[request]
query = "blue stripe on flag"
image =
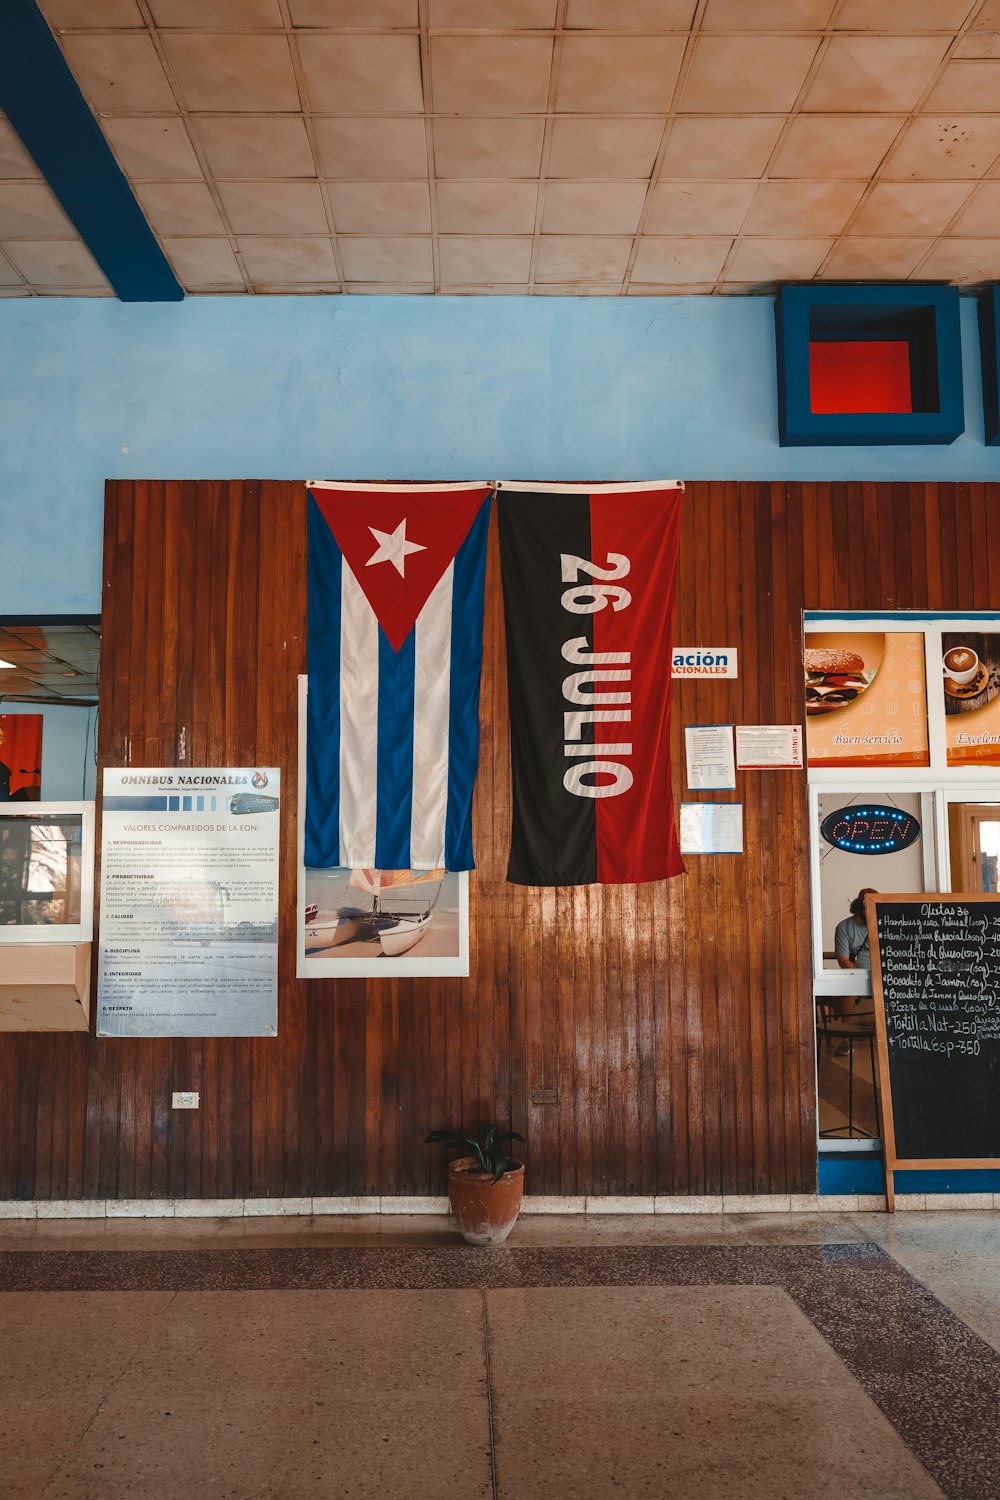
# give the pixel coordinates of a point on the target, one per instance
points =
(322, 839)
(394, 797)
(466, 668)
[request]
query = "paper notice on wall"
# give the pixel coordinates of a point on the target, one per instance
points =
(189, 903)
(711, 827)
(711, 763)
(768, 747)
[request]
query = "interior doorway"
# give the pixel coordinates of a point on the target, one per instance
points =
(974, 846)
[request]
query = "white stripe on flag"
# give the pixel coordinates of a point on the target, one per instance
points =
(358, 723)
(431, 709)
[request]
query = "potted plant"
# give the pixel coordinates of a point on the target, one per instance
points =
(484, 1189)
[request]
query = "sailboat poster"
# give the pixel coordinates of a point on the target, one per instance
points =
(360, 922)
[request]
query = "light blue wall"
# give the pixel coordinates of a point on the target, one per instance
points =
(69, 773)
(389, 387)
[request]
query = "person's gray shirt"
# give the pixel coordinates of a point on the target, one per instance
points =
(851, 941)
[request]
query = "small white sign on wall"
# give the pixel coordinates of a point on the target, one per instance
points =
(704, 661)
(711, 827)
(711, 764)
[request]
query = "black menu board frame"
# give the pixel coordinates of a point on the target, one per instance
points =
(892, 1087)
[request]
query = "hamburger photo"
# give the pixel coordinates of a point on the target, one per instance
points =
(834, 678)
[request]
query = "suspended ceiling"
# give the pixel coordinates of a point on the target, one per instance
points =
(49, 663)
(541, 146)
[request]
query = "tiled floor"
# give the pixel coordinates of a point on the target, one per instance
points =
(785, 1356)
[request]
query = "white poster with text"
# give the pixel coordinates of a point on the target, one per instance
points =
(189, 903)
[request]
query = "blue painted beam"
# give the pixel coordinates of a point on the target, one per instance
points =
(41, 99)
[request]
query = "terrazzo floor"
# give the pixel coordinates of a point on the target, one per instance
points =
(784, 1356)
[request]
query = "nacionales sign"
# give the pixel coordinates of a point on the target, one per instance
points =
(870, 830)
(703, 661)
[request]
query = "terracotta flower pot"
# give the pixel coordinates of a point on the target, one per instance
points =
(486, 1211)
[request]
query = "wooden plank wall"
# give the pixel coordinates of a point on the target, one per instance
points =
(652, 1038)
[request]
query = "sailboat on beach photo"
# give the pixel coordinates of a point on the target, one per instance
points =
(391, 914)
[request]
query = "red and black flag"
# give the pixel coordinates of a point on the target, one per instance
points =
(588, 579)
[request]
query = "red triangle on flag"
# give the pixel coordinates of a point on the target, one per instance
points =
(398, 543)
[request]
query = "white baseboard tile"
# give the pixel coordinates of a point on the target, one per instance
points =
(871, 1203)
(832, 1203)
(958, 1201)
(539, 1203)
(267, 1208)
(623, 1205)
(394, 1205)
(72, 1208)
(140, 1208)
(910, 1202)
(17, 1208)
(688, 1205)
(756, 1203)
(343, 1207)
(208, 1208)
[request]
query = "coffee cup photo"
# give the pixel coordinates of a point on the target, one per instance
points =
(961, 664)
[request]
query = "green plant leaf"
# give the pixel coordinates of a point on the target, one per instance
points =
(513, 1135)
(442, 1135)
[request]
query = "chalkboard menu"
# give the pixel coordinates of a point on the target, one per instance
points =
(936, 981)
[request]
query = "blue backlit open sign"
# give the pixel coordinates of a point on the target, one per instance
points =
(870, 830)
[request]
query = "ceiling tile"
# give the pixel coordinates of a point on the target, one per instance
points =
(953, 146)
(965, 86)
(902, 15)
(777, 259)
(8, 277)
(373, 15)
(255, 145)
(366, 147)
(120, 72)
(490, 75)
(381, 207)
(397, 259)
(724, 146)
(289, 262)
(180, 208)
(630, 15)
(592, 207)
(868, 74)
(900, 209)
(15, 160)
(988, 17)
(471, 259)
(31, 210)
(747, 74)
(830, 146)
(699, 207)
(680, 261)
(486, 207)
(581, 257)
(618, 74)
(485, 147)
(660, 289)
(55, 263)
(978, 44)
(767, 15)
(347, 74)
(242, 73)
(980, 219)
(859, 258)
(205, 264)
(152, 149)
(92, 14)
(292, 208)
(804, 208)
(516, 14)
(962, 260)
(583, 148)
(219, 14)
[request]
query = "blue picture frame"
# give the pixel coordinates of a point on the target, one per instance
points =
(927, 317)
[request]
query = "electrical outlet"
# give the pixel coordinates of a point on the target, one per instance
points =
(184, 1099)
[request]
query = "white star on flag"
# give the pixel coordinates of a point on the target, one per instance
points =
(393, 547)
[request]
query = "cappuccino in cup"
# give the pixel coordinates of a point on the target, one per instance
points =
(961, 664)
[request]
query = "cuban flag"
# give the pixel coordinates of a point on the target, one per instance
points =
(396, 585)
